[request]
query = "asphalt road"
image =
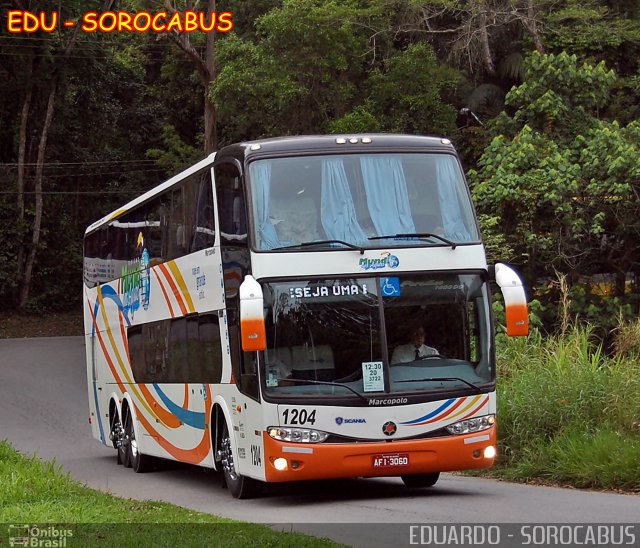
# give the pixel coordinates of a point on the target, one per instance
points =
(43, 410)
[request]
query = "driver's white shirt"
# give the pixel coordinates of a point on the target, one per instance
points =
(407, 353)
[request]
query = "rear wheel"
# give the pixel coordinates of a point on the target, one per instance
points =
(139, 462)
(239, 486)
(421, 480)
(118, 438)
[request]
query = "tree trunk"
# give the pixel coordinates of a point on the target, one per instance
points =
(484, 39)
(37, 221)
(210, 118)
(206, 70)
(532, 25)
(22, 151)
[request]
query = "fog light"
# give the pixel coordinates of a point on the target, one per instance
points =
(489, 452)
(280, 464)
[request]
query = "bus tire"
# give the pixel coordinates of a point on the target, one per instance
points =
(126, 445)
(239, 486)
(118, 438)
(421, 480)
(136, 460)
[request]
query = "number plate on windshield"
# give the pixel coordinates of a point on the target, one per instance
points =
(389, 461)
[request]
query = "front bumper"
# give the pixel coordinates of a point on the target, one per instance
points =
(312, 461)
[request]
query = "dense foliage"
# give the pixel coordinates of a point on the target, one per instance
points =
(568, 412)
(89, 120)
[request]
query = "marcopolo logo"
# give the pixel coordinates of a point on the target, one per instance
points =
(340, 421)
(388, 401)
(386, 260)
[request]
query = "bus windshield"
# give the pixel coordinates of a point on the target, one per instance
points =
(372, 200)
(349, 337)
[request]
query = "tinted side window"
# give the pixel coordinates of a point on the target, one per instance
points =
(171, 225)
(231, 205)
(204, 235)
(180, 350)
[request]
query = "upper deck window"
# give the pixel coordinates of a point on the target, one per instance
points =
(357, 198)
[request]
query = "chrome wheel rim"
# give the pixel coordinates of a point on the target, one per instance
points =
(227, 458)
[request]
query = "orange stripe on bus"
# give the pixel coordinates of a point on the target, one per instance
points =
(465, 408)
(164, 292)
(192, 456)
(174, 289)
(178, 276)
(186, 396)
(439, 418)
(484, 402)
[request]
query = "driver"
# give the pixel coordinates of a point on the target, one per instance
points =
(414, 350)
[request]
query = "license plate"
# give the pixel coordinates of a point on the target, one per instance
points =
(390, 461)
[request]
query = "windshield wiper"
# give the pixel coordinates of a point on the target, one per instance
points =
(418, 235)
(323, 242)
(327, 383)
(476, 388)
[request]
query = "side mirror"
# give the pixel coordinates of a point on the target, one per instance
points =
(252, 329)
(515, 300)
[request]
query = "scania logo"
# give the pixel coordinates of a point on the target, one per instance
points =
(340, 420)
(389, 428)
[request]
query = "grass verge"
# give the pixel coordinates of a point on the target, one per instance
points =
(47, 324)
(568, 413)
(38, 492)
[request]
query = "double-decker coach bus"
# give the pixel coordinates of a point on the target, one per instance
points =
(299, 308)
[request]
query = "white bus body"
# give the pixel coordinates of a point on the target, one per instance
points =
(243, 315)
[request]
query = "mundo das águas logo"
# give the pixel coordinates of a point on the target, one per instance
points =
(136, 282)
(386, 260)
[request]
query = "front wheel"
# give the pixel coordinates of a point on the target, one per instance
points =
(239, 486)
(421, 480)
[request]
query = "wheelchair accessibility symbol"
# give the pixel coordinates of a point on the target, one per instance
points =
(390, 286)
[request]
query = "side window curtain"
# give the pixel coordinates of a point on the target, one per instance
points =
(266, 231)
(454, 218)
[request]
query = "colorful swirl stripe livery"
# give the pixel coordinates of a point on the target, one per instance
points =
(161, 408)
(445, 411)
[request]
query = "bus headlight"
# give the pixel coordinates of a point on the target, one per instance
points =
(297, 435)
(472, 425)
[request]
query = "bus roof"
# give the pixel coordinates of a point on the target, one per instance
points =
(314, 144)
(306, 144)
(150, 193)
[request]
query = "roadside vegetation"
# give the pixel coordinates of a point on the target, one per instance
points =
(52, 324)
(37, 492)
(568, 412)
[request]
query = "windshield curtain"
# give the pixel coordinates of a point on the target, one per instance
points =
(325, 337)
(356, 197)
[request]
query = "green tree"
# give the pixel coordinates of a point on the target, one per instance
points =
(301, 71)
(397, 103)
(560, 186)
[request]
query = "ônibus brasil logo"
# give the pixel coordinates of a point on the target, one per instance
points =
(386, 260)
